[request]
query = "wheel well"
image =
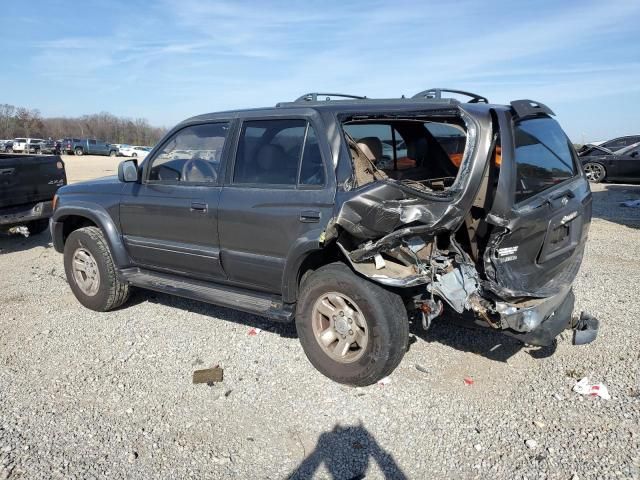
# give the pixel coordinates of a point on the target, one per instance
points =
(329, 254)
(74, 222)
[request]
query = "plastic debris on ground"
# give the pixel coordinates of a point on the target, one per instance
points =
(631, 203)
(420, 368)
(468, 381)
(583, 387)
(208, 375)
(254, 331)
(384, 381)
(22, 230)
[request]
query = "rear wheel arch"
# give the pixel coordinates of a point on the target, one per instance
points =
(305, 258)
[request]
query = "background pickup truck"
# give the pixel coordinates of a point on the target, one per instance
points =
(27, 187)
(88, 146)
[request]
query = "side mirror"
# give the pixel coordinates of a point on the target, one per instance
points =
(128, 171)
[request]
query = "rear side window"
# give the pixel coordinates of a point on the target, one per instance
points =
(278, 152)
(543, 156)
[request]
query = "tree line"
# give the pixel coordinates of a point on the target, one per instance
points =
(18, 122)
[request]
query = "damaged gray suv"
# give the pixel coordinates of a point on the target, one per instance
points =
(351, 216)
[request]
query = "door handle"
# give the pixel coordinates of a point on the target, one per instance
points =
(198, 207)
(310, 216)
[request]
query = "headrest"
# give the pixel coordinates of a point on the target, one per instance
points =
(371, 147)
(269, 156)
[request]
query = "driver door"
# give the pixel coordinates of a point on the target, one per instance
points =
(169, 220)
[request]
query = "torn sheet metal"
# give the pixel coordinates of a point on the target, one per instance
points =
(456, 286)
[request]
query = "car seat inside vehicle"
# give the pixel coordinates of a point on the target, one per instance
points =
(411, 149)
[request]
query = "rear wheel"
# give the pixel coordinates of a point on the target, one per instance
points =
(352, 330)
(134, 154)
(91, 272)
(595, 172)
(113, 153)
(79, 152)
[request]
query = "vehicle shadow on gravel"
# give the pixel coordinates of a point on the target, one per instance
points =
(286, 330)
(18, 243)
(346, 452)
(607, 199)
(462, 335)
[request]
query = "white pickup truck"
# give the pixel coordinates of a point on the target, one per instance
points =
(27, 145)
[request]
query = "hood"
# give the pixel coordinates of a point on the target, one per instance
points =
(109, 184)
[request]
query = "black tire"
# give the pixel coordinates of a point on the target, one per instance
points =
(134, 155)
(36, 227)
(113, 153)
(595, 172)
(79, 152)
(386, 318)
(111, 292)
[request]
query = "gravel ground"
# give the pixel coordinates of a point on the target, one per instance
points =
(86, 394)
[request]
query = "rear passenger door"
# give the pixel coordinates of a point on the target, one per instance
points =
(279, 192)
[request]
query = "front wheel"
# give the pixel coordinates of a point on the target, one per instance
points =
(79, 152)
(352, 330)
(595, 172)
(91, 272)
(113, 153)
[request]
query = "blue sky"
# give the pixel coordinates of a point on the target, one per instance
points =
(168, 60)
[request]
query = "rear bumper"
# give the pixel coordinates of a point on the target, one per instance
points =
(21, 214)
(547, 319)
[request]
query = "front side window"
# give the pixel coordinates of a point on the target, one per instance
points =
(543, 156)
(191, 155)
(278, 152)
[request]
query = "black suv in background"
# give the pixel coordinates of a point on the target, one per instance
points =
(353, 216)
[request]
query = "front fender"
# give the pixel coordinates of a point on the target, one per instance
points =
(97, 214)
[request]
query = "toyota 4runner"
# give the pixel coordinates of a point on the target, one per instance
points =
(350, 216)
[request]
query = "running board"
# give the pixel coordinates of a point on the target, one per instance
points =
(249, 301)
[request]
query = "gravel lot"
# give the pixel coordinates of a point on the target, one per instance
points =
(85, 394)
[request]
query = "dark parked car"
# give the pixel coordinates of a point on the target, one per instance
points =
(27, 186)
(292, 212)
(6, 146)
(88, 146)
(621, 165)
(51, 146)
(610, 145)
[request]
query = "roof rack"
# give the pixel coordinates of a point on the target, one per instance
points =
(313, 97)
(437, 94)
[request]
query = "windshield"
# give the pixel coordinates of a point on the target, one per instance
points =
(625, 150)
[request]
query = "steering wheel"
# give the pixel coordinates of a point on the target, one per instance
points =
(203, 167)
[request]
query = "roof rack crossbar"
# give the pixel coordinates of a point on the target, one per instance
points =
(313, 97)
(437, 93)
